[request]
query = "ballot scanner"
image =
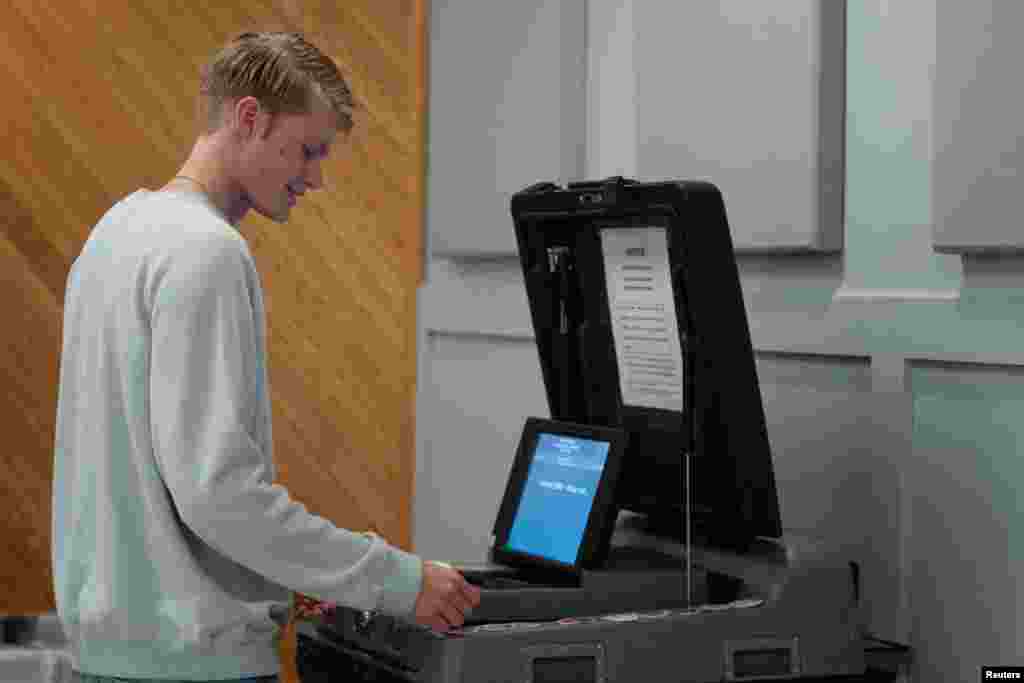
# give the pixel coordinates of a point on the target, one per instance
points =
(639, 537)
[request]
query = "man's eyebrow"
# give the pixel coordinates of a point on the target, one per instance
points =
(319, 148)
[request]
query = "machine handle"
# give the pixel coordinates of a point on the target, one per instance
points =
(761, 659)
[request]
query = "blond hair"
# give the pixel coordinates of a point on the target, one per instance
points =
(283, 71)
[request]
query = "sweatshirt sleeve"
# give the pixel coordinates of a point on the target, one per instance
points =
(204, 362)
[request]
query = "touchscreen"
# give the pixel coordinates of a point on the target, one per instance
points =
(557, 497)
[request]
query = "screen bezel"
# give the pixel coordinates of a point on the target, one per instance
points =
(593, 548)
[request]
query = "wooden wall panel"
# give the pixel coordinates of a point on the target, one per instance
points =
(101, 101)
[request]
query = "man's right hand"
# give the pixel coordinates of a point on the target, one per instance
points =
(445, 597)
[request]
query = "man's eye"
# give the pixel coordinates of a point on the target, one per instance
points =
(308, 151)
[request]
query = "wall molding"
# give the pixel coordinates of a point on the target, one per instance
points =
(871, 295)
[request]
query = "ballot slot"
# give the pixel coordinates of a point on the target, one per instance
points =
(505, 579)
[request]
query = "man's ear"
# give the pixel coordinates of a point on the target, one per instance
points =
(249, 117)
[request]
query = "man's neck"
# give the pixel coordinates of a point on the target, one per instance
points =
(208, 171)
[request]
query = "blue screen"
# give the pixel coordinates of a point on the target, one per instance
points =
(559, 492)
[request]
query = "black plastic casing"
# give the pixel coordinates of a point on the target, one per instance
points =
(733, 494)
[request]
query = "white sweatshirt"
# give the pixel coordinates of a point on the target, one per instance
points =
(170, 541)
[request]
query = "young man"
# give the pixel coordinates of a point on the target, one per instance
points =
(171, 543)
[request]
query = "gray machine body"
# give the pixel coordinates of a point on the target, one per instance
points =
(783, 610)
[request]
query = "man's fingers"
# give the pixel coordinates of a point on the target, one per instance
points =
(464, 602)
(452, 614)
(471, 593)
(466, 595)
(447, 596)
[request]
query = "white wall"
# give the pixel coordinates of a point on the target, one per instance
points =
(749, 94)
(506, 109)
(980, 147)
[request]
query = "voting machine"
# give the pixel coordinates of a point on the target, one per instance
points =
(639, 537)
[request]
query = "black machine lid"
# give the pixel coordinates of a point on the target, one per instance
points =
(636, 304)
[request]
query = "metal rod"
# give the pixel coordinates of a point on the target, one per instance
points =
(689, 554)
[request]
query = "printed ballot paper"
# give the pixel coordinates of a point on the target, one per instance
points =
(643, 315)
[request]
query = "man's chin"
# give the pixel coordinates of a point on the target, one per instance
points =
(278, 216)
